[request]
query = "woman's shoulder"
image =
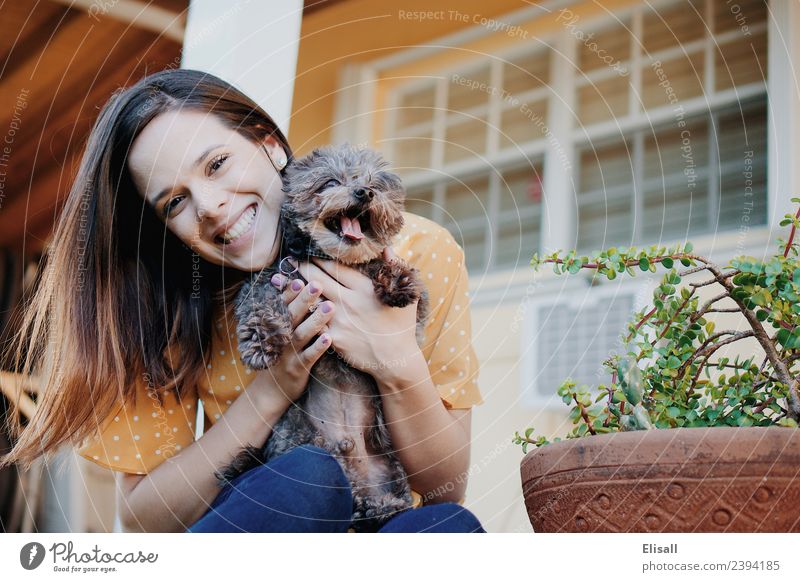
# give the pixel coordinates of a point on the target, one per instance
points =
(421, 240)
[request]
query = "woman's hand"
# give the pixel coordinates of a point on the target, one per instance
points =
(369, 335)
(288, 377)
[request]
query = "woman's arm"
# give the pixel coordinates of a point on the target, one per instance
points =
(433, 443)
(179, 491)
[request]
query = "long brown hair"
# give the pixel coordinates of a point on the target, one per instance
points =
(118, 295)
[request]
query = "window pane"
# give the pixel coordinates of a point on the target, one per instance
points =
(526, 72)
(467, 200)
(743, 176)
(412, 153)
(473, 241)
(675, 182)
(684, 75)
(673, 26)
(605, 223)
(603, 100)
(465, 138)
(519, 218)
(524, 123)
(741, 61)
(733, 15)
(605, 167)
(419, 201)
(416, 107)
(615, 41)
(665, 148)
(465, 216)
(461, 95)
(605, 193)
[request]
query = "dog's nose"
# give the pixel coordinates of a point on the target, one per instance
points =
(362, 194)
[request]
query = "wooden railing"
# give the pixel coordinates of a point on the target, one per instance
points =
(18, 390)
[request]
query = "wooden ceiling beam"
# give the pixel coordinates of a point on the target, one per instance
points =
(39, 196)
(142, 15)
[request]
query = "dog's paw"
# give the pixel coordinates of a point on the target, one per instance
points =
(261, 346)
(397, 284)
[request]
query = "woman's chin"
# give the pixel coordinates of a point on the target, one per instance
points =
(250, 262)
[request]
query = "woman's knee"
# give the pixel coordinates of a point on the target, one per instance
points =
(316, 475)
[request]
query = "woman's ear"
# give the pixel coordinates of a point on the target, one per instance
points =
(275, 152)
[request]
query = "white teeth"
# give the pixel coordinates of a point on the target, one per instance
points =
(242, 226)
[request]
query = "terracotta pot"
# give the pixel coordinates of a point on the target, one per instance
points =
(719, 479)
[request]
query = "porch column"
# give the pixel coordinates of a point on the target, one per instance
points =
(783, 90)
(560, 206)
(252, 45)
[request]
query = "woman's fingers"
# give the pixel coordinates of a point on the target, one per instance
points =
(307, 297)
(333, 289)
(312, 325)
(312, 353)
(292, 290)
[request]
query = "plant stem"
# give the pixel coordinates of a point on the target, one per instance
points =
(791, 235)
(584, 415)
(778, 364)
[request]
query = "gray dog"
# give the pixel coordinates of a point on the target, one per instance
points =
(341, 204)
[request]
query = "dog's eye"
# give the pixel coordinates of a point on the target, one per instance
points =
(328, 184)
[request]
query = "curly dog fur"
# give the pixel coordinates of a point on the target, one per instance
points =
(343, 203)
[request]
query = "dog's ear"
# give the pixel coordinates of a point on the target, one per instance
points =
(389, 182)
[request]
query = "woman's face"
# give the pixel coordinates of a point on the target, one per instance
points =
(215, 189)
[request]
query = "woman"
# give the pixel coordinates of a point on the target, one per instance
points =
(176, 201)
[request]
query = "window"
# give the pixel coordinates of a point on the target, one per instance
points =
(689, 181)
(459, 125)
(665, 146)
(666, 110)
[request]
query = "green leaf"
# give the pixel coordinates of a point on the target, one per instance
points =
(667, 262)
(644, 264)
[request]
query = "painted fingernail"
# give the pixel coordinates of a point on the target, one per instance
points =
(277, 280)
(326, 339)
(326, 307)
(313, 288)
(297, 284)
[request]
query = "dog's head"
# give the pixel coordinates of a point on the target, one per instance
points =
(346, 201)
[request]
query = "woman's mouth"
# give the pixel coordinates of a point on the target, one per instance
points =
(242, 227)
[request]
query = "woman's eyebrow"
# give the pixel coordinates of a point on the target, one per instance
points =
(166, 191)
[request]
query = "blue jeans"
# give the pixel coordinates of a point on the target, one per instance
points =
(306, 490)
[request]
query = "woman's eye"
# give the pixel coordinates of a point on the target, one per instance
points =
(216, 163)
(328, 184)
(170, 206)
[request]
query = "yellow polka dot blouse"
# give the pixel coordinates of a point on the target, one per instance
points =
(136, 439)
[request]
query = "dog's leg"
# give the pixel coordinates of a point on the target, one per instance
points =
(396, 283)
(264, 325)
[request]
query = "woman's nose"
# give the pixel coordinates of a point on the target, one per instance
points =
(212, 205)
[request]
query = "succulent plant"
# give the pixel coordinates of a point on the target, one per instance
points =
(673, 373)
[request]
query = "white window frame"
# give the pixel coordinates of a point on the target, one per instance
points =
(559, 200)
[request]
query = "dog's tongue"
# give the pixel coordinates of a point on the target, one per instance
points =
(351, 228)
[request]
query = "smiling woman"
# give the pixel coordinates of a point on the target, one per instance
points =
(223, 200)
(181, 186)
